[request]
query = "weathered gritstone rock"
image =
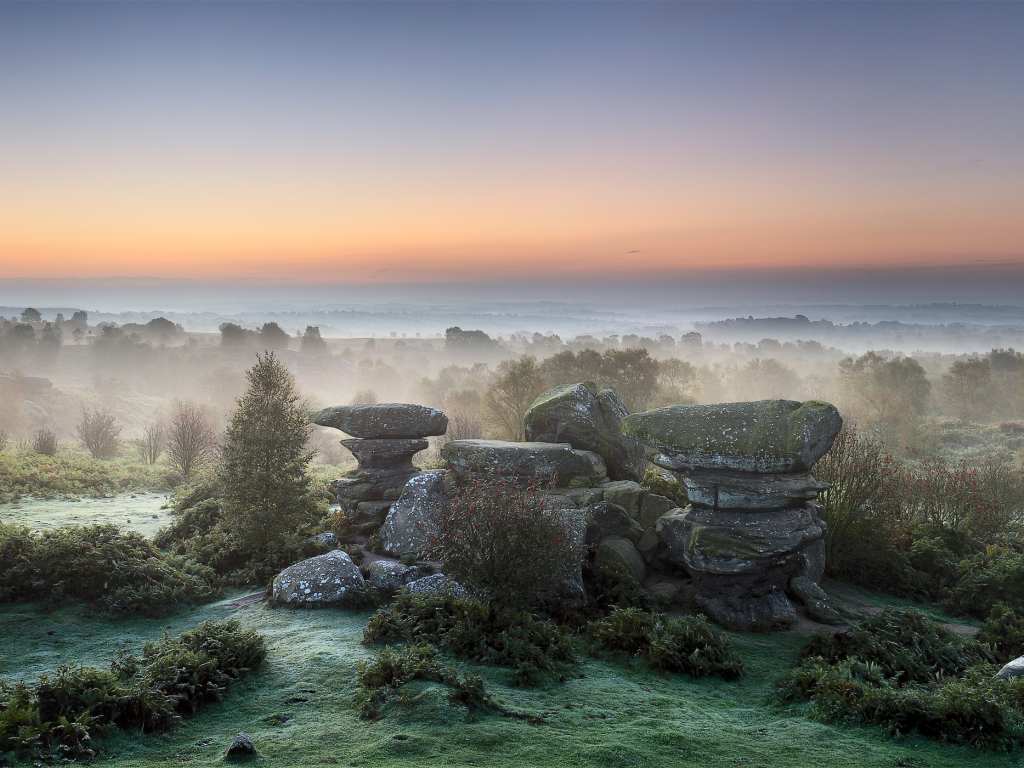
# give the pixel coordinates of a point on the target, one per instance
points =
(321, 580)
(567, 466)
(615, 549)
(385, 574)
(386, 437)
(438, 584)
(384, 420)
(763, 436)
(1012, 669)
(752, 525)
(589, 420)
(815, 600)
(408, 525)
(242, 746)
(607, 519)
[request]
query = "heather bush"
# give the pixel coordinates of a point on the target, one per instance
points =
(73, 473)
(687, 644)
(496, 538)
(55, 719)
(995, 575)
(101, 566)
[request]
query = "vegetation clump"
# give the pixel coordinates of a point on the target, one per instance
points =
(472, 630)
(56, 718)
(99, 565)
(382, 677)
(687, 644)
(904, 671)
(498, 539)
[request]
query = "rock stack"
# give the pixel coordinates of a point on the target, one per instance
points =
(751, 525)
(385, 438)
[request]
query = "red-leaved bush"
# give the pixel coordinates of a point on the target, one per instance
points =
(495, 537)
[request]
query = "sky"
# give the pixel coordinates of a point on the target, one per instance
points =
(488, 142)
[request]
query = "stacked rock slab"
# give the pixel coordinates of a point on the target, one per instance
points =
(589, 420)
(385, 438)
(751, 525)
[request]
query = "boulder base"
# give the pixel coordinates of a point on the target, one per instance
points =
(408, 524)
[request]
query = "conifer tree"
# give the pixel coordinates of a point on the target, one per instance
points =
(265, 489)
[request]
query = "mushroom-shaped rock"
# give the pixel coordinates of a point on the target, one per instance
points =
(567, 466)
(762, 436)
(590, 420)
(321, 580)
(384, 420)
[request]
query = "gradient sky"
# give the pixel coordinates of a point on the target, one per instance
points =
(482, 141)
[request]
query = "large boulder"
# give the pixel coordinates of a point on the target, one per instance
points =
(590, 420)
(762, 436)
(607, 519)
(815, 600)
(728, 489)
(1012, 669)
(386, 455)
(384, 420)
(321, 580)
(408, 525)
(560, 462)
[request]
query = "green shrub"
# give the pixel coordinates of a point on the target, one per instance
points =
(986, 578)
(382, 677)
(687, 644)
(470, 629)
(904, 645)
(1003, 630)
(904, 671)
(200, 532)
(56, 718)
(101, 566)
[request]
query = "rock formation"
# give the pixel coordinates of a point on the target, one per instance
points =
(321, 580)
(751, 525)
(589, 420)
(545, 462)
(385, 438)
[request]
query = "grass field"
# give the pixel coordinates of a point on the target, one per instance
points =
(142, 512)
(612, 716)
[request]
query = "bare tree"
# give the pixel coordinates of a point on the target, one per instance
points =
(508, 398)
(99, 432)
(152, 443)
(190, 439)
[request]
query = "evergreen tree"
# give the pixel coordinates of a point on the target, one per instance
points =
(265, 489)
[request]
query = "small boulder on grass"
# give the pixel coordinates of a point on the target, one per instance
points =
(242, 746)
(321, 580)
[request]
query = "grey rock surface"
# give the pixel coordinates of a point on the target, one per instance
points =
(1012, 669)
(320, 580)
(615, 549)
(328, 539)
(814, 598)
(729, 489)
(386, 454)
(589, 420)
(567, 466)
(653, 507)
(384, 420)
(762, 436)
(771, 610)
(612, 520)
(385, 574)
(626, 494)
(410, 521)
(436, 584)
(242, 746)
